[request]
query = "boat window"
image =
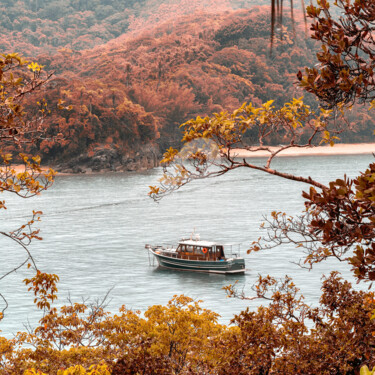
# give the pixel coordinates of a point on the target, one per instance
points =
(181, 248)
(190, 248)
(199, 250)
(220, 251)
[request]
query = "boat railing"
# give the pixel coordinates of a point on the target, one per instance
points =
(232, 250)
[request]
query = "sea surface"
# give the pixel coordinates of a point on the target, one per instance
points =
(95, 228)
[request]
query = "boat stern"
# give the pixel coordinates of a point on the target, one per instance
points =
(236, 265)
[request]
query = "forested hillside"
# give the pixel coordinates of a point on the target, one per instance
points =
(46, 25)
(129, 75)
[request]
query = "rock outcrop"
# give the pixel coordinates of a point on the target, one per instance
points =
(106, 159)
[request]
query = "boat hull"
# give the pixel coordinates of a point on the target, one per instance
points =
(230, 266)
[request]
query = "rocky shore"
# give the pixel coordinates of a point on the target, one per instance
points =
(112, 160)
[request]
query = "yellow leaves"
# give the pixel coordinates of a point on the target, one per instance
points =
(60, 105)
(27, 180)
(33, 372)
(169, 155)
(79, 370)
(6, 348)
(296, 113)
(24, 157)
(182, 328)
(44, 287)
(267, 106)
(372, 105)
(313, 11)
(101, 369)
(328, 138)
(173, 180)
(13, 56)
(206, 133)
(153, 190)
(6, 158)
(239, 110)
(16, 83)
(326, 112)
(221, 125)
(35, 67)
(365, 371)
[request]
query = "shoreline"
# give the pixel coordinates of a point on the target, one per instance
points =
(337, 149)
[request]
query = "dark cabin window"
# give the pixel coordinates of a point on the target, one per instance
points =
(220, 251)
(181, 248)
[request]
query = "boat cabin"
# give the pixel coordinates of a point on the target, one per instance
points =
(204, 250)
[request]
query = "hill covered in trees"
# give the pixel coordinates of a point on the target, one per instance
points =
(124, 92)
(37, 26)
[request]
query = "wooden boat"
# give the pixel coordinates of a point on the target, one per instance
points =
(199, 256)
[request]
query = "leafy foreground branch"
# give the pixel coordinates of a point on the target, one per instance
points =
(338, 223)
(213, 146)
(345, 72)
(19, 79)
(285, 337)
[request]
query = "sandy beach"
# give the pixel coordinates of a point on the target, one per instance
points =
(337, 149)
(19, 168)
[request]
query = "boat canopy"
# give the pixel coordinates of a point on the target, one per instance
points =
(199, 243)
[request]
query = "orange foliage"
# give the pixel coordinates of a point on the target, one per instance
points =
(139, 88)
(287, 336)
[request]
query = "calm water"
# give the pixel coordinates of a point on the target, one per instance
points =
(94, 229)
